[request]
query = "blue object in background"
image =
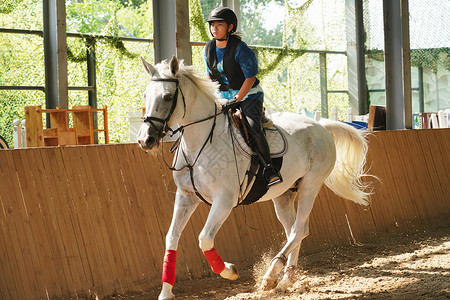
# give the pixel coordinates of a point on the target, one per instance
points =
(358, 125)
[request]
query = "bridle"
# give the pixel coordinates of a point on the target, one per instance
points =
(162, 132)
(176, 145)
(166, 128)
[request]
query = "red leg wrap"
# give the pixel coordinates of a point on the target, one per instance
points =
(170, 260)
(214, 259)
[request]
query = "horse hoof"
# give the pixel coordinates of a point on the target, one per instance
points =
(268, 284)
(285, 283)
(230, 272)
(235, 271)
(166, 293)
(289, 278)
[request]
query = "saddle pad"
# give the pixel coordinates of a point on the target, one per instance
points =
(276, 139)
(259, 187)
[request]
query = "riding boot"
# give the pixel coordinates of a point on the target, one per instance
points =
(271, 174)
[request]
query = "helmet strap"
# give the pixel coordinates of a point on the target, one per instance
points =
(221, 40)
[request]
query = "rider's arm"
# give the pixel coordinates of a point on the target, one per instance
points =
(245, 88)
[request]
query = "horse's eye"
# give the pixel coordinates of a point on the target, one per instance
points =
(167, 97)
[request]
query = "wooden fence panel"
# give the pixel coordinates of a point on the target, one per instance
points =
(92, 220)
(11, 196)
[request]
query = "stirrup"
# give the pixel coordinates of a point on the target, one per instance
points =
(274, 180)
(272, 176)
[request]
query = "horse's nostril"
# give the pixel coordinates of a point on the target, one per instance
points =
(150, 140)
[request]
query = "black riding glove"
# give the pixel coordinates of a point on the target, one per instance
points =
(230, 105)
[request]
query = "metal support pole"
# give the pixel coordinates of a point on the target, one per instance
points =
(164, 29)
(92, 81)
(357, 89)
(55, 53)
(406, 55)
(183, 33)
(91, 71)
(421, 93)
(393, 65)
(50, 56)
(323, 84)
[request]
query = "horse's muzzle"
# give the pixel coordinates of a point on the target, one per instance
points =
(147, 138)
(149, 143)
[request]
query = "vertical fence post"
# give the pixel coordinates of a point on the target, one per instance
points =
(349, 117)
(24, 134)
(334, 113)
(17, 134)
(323, 84)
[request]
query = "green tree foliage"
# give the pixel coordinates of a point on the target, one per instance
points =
(21, 62)
(8, 6)
(120, 79)
(130, 18)
(132, 3)
(253, 18)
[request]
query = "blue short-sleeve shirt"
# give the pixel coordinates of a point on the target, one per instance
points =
(249, 65)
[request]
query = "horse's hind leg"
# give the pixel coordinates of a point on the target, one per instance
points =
(182, 211)
(309, 188)
(285, 210)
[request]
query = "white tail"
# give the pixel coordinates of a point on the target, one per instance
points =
(351, 148)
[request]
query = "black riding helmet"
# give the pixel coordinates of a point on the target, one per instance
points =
(223, 14)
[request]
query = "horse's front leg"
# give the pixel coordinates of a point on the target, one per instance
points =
(182, 211)
(220, 210)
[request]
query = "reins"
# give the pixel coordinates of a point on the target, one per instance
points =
(176, 146)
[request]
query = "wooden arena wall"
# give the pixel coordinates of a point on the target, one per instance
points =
(81, 221)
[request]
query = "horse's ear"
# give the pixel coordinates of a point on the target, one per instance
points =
(174, 65)
(148, 67)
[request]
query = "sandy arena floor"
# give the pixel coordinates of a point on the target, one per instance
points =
(404, 266)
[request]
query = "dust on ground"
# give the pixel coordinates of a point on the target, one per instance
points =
(401, 266)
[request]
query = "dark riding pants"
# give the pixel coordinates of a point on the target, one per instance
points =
(252, 109)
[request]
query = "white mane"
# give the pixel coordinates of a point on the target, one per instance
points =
(203, 84)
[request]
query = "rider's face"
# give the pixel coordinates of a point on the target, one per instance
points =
(219, 29)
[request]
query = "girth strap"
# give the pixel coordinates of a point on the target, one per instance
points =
(197, 193)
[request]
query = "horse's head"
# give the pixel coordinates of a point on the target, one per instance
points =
(161, 98)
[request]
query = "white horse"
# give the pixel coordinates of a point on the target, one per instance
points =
(330, 152)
